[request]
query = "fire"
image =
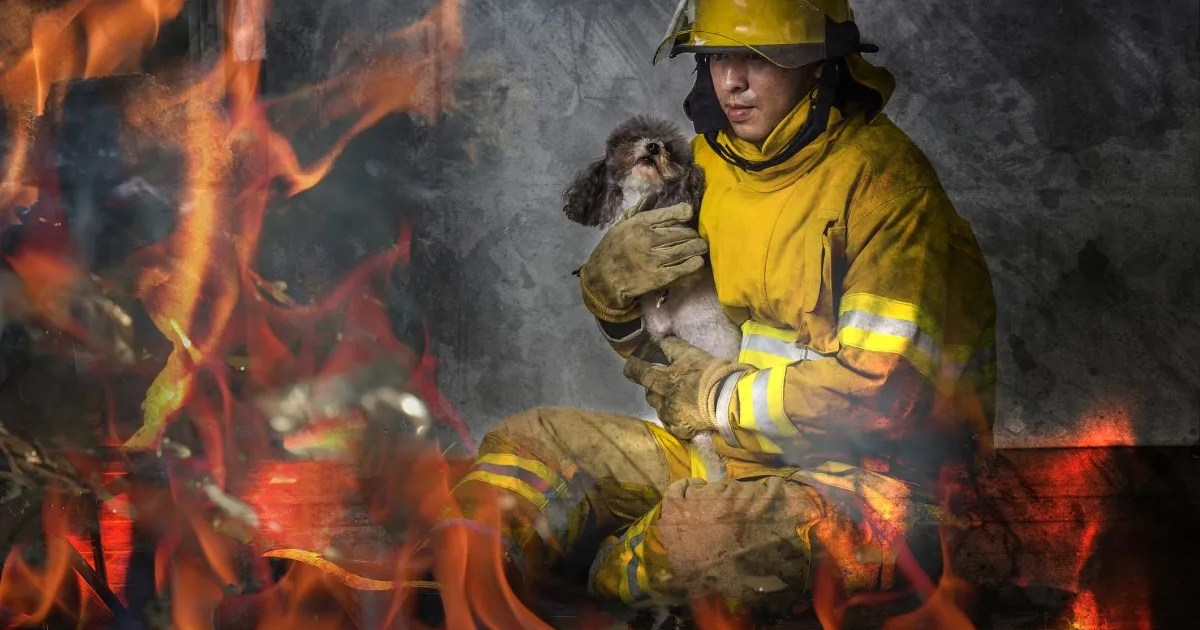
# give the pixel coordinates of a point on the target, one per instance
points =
(1099, 603)
(1126, 607)
(201, 291)
(852, 558)
(31, 591)
(77, 39)
(416, 77)
(216, 508)
(1108, 426)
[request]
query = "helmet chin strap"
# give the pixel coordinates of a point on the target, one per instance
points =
(703, 108)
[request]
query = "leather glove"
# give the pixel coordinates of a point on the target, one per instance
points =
(684, 392)
(644, 253)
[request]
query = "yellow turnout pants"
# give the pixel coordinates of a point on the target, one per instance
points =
(611, 501)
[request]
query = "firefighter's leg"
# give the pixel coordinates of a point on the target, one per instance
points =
(747, 540)
(564, 479)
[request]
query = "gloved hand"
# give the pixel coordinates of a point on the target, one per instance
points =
(644, 253)
(683, 392)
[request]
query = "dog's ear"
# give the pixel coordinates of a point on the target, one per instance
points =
(693, 186)
(584, 200)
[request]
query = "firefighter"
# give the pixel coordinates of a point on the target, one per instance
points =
(864, 385)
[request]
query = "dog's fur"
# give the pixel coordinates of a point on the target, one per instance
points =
(648, 164)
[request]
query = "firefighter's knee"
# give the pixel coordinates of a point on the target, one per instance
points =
(744, 539)
(534, 423)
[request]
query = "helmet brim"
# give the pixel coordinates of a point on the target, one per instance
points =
(702, 42)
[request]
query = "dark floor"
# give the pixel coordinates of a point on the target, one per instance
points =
(1083, 538)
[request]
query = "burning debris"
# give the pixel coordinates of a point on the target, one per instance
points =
(134, 208)
(26, 467)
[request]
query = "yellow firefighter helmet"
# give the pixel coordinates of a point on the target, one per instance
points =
(789, 33)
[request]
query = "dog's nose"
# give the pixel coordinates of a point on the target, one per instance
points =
(652, 148)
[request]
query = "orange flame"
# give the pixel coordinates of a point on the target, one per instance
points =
(79, 39)
(417, 77)
(197, 278)
(34, 593)
(47, 279)
(1106, 427)
(1110, 426)
(201, 291)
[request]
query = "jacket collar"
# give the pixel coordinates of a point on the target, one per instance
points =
(789, 171)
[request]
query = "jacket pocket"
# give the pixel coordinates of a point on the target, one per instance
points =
(827, 269)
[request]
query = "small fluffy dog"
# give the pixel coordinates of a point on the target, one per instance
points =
(648, 164)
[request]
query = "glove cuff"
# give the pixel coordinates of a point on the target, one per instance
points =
(725, 391)
(601, 310)
(710, 386)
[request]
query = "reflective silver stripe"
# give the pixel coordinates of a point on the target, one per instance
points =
(724, 401)
(765, 421)
(780, 348)
(631, 569)
(762, 412)
(640, 329)
(874, 323)
(597, 562)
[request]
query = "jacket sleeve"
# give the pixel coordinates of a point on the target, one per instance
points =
(624, 337)
(890, 312)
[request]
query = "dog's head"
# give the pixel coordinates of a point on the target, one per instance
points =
(644, 157)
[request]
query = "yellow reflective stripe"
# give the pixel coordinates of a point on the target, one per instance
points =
(890, 344)
(880, 324)
(868, 339)
(766, 346)
(893, 309)
(487, 471)
(533, 466)
(509, 483)
(751, 327)
(635, 581)
(760, 359)
(755, 411)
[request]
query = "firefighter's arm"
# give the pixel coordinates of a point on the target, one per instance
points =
(889, 330)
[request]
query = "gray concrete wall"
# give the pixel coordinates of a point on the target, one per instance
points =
(1068, 134)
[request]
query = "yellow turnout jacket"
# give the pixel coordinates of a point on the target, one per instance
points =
(866, 306)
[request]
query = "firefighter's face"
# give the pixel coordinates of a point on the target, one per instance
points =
(755, 93)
